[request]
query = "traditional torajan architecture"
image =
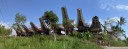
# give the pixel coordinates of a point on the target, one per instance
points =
(81, 26)
(17, 31)
(65, 18)
(95, 26)
(29, 32)
(20, 31)
(64, 13)
(35, 28)
(44, 27)
(60, 29)
(23, 32)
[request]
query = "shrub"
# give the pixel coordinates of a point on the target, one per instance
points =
(4, 30)
(117, 43)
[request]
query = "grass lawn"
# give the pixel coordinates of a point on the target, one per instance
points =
(46, 42)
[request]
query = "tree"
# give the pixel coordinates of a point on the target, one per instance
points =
(121, 22)
(67, 24)
(19, 20)
(104, 34)
(116, 26)
(51, 18)
(127, 41)
(4, 30)
(118, 31)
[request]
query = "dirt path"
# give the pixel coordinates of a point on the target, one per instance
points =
(106, 47)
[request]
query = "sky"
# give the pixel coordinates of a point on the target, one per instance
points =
(34, 9)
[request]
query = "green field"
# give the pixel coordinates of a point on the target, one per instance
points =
(46, 42)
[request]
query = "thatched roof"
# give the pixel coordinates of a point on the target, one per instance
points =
(80, 22)
(95, 26)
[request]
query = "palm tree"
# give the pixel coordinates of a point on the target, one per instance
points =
(117, 28)
(121, 22)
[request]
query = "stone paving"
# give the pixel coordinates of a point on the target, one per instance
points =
(107, 47)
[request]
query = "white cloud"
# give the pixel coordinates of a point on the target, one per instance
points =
(127, 24)
(7, 25)
(106, 6)
(113, 5)
(101, 21)
(121, 7)
(112, 20)
(90, 22)
(109, 20)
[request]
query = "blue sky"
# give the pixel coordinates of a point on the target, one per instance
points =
(33, 9)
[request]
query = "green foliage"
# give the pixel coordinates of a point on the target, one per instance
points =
(117, 30)
(74, 34)
(46, 42)
(51, 16)
(84, 35)
(116, 26)
(80, 35)
(5, 31)
(126, 41)
(67, 24)
(105, 36)
(122, 21)
(117, 43)
(20, 19)
(89, 35)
